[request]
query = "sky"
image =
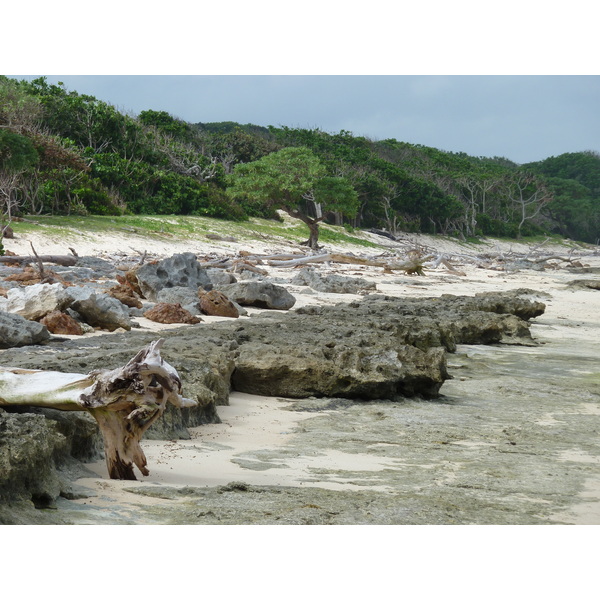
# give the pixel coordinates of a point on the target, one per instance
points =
(522, 82)
(523, 118)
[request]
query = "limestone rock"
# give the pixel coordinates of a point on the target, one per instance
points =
(347, 371)
(36, 301)
(17, 331)
(178, 270)
(171, 313)
(36, 445)
(220, 277)
(125, 294)
(99, 310)
(261, 294)
(332, 284)
(62, 324)
(187, 297)
(217, 304)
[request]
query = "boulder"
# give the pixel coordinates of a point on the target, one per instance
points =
(217, 304)
(171, 313)
(300, 370)
(179, 270)
(16, 331)
(61, 324)
(99, 310)
(37, 447)
(261, 294)
(332, 284)
(35, 301)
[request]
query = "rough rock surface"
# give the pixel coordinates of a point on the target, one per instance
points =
(126, 295)
(164, 312)
(38, 448)
(62, 324)
(178, 270)
(99, 310)
(261, 294)
(217, 304)
(17, 331)
(220, 277)
(380, 348)
(36, 301)
(187, 297)
(332, 284)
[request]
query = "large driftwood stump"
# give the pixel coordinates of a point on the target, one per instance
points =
(124, 401)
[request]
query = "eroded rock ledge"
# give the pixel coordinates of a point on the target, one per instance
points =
(379, 348)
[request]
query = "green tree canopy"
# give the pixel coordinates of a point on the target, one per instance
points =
(294, 180)
(17, 152)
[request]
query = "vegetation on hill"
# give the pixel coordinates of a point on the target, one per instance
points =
(65, 153)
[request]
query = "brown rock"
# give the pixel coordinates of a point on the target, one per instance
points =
(171, 313)
(3, 292)
(60, 323)
(130, 280)
(217, 304)
(125, 294)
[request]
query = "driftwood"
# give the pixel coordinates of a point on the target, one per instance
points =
(65, 261)
(124, 401)
(412, 265)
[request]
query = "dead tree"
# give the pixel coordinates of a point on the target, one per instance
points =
(124, 401)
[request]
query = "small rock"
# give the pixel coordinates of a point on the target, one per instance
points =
(62, 324)
(125, 294)
(261, 294)
(171, 313)
(217, 304)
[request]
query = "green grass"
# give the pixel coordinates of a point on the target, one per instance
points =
(184, 227)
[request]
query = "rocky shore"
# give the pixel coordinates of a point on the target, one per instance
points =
(370, 369)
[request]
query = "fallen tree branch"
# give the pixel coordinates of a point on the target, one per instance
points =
(411, 266)
(65, 261)
(124, 401)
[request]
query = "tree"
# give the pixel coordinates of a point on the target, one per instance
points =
(295, 181)
(528, 195)
(17, 156)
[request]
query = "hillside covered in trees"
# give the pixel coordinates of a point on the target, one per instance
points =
(66, 153)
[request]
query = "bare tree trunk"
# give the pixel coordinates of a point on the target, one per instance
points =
(124, 401)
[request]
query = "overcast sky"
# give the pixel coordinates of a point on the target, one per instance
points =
(515, 80)
(523, 118)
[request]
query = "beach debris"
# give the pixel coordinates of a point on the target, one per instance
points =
(124, 401)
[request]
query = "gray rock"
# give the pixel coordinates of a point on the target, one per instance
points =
(100, 266)
(37, 446)
(220, 277)
(261, 294)
(187, 297)
(17, 331)
(332, 284)
(180, 270)
(99, 310)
